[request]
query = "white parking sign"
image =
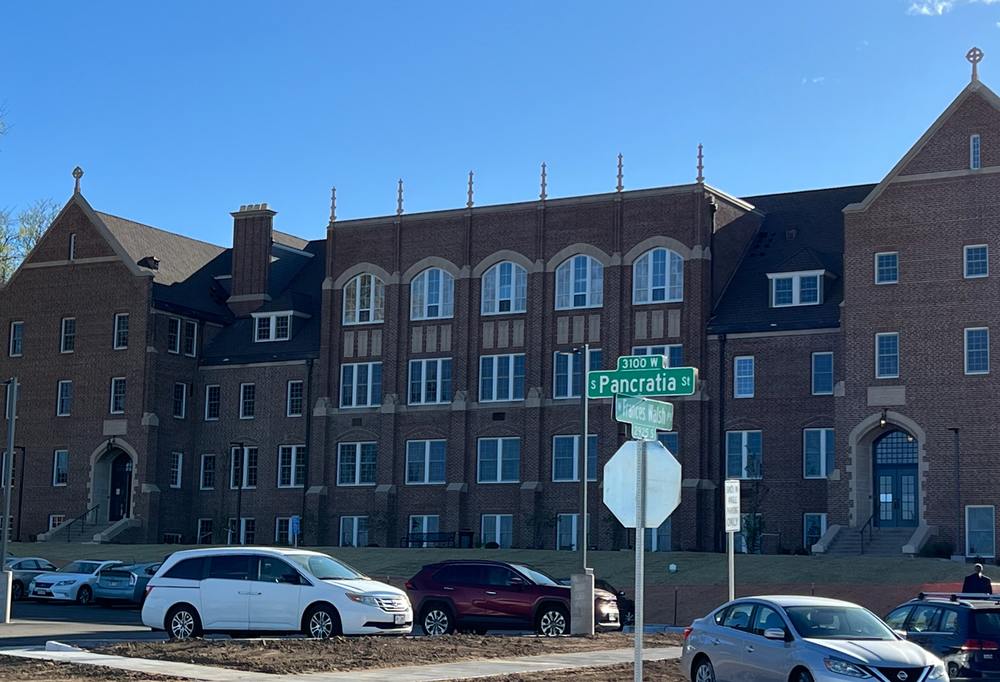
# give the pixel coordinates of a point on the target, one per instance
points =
(732, 506)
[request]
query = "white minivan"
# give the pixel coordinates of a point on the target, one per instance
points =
(270, 589)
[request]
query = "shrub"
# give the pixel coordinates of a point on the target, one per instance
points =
(938, 549)
(491, 545)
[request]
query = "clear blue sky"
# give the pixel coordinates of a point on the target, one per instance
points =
(181, 111)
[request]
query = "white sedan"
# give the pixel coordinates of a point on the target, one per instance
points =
(73, 582)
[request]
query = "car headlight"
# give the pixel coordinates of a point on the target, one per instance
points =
(366, 599)
(937, 672)
(842, 667)
(65, 582)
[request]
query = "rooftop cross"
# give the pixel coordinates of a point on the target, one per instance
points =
(77, 174)
(975, 55)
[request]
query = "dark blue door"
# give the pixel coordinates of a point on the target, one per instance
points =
(895, 479)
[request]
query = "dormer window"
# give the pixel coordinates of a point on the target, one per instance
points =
(974, 161)
(272, 327)
(796, 288)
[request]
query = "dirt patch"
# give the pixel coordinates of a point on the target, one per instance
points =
(291, 656)
(658, 671)
(14, 668)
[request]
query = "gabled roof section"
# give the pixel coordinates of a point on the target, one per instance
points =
(805, 259)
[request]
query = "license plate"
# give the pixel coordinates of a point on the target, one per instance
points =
(613, 617)
(399, 618)
(43, 593)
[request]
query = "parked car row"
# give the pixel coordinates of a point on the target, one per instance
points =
(84, 581)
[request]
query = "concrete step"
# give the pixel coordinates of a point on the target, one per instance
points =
(883, 542)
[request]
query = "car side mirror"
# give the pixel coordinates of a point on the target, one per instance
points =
(775, 633)
(517, 582)
(900, 633)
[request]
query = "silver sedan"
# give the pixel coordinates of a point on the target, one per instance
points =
(801, 639)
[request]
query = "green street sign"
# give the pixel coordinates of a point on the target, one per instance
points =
(640, 432)
(642, 382)
(644, 412)
(642, 362)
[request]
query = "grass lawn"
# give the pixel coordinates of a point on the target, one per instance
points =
(694, 568)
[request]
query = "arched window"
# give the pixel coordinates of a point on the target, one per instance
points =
(364, 300)
(579, 283)
(658, 277)
(505, 289)
(432, 295)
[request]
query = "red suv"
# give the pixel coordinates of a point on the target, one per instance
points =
(478, 596)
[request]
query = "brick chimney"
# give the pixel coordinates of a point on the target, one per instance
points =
(252, 226)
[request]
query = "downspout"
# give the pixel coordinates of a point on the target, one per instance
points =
(308, 437)
(719, 504)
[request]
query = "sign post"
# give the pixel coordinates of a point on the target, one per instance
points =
(640, 553)
(732, 504)
(293, 529)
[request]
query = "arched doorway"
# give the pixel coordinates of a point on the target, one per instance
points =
(112, 478)
(895, 456)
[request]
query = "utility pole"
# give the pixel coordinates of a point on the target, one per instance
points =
(7, 576)
(239, 486)
(582, 583)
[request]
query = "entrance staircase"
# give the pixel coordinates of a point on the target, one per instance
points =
(882, 542)
(88, 529)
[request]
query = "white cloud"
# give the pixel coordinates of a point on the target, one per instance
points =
(935, 8)
(815, 80)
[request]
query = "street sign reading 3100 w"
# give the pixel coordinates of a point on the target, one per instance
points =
(641, 382)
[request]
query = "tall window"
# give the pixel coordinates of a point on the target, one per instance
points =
(499, 460)
(281, 527)
(887, 355)
(886, 267)
(743, 376)
(245, 533)
(190, 340)
(658, 277)
(566, 458)
(180, 400)
(425, 461)
(977, 350)
(67, 338)
(980, 521)
(501, 377)
(13, 469)
(176, 467)
(430, 381)
(243, 468)
(64, 402)
(16, 347)
(674, 353)
(357, 463)
(72, 245)
(353, 531)
(272, 327)
(173, 335)
(60, 467)
(817, 453)
(291, 466)
(974, 161)
(248, 401)
(213, 401)
(423, 523)
(579, 283)
(432, 295)
(205, 532)
(364, 300)
(207, 476)
(744, 457)
(822, 373)
(118, 395)
(566, 531)
(121, 331)
(505, 289)
(567, 380)
(293, 399)
(977, 261)
(361, 384)
(813, 528)
(796, 288)
(498, 528)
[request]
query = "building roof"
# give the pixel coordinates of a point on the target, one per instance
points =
(800, 231)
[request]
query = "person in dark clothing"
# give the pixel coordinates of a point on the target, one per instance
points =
(977, 583)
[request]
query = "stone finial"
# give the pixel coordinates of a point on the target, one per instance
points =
(701, 166)
(77, 174)
(399, 198)
(543, 193)
(620, 186)
(468, 204)
(333, 205)
(975, 55)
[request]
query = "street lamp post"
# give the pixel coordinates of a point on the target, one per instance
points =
(239, 486)
(7, 576)
(20, 488)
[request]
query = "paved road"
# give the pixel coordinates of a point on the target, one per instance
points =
(34, 624)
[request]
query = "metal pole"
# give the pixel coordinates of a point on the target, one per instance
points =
(239, 493)
(958, 491)
(732, 564)
(582, 527)
(640, 542)
(7, 461)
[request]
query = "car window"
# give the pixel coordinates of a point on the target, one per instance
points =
(739, 616)
(897, 618)
(25, 565)
(923, 619)
(498, 575)
(459, 575)
(837, 622)
(949, 621)
(150, 570)
(229, 567)
(274, 570)
(987, 623)
(187, 569)
(46, 566)
(767, 618)
(80, 567)
(720, 616)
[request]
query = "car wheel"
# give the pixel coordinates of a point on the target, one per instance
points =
(17, 591)
(803, 676)
(436, 620)
(953, 670)
(322, 622)
(704, 672)
(183, 623)
(553, 621)
(84, 596)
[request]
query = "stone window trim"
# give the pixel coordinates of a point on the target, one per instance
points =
(652, 287)
(886, 261)
(579, 283)
(974, 365)
(970, 250)
(368, 309)
(432, 295)
(500, 297)
(120, 341)
(797, 279)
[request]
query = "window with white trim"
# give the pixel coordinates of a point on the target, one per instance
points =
(176, 469)
(498, 528)
(60, 468)
(822, 373)
(67, 335)
(887, 267)
(567, 531)
(501, 377)
(425, 462)
(274, 327)
(817, 453)
(430, 381)
(353, 531)
(977, 261)
(173, 335)
(674, 352)
(357, 463)
(121, 331)
(743, 376)
(744, 454)
(974, 145)
(64, 400)
(291, 466)
(213, 402)
(887, 355)
(248, 401)
(796, 288)
(566, 458)
(206, 532)
(364, 300)
(432, 295)
(117, 395)
(16, 346)
(977, 350)
(180, 400)
(813, 528)
(247, 531)
(190, 340)
(243, 468)
(361, 384)
(504, 289)
(56, 520)
(499, 460)
(980, 531)
(569, 365)
(579, 283)
(658, 277)
(423, 523)
(207, 473)
(293, 398)
(282, 524)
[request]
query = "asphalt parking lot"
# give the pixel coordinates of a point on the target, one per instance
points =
(35, 623)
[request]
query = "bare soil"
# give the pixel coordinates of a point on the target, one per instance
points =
(292, 656)
(652, 671)
(14, 668)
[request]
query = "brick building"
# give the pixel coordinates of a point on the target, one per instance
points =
(421, 372)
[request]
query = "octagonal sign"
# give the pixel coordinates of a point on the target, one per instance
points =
(663, 484)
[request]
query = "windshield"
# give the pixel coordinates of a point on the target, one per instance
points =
(537, 577)
(324, 567)
(80, 567)
(837, 622)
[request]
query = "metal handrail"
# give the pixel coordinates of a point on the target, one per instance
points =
(870, 525)
(81, 518)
